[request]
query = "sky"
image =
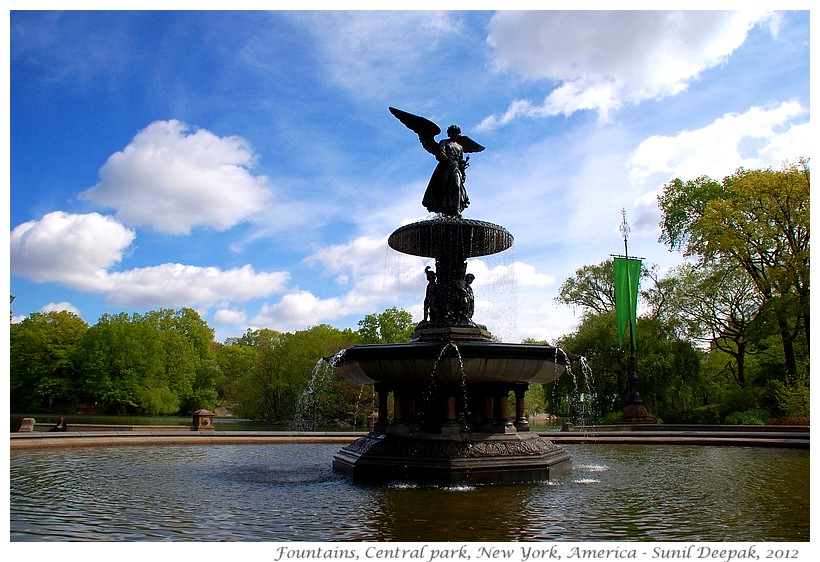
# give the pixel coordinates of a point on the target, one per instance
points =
(245, 164)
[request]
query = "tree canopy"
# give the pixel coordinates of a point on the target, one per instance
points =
(757, 220)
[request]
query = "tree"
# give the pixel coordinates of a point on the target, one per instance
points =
(759, 220)
(123, 363)
(669, 368)
(157, 363)
(280, 368)
(263, 391)
(190, 370)
(592, 288)
(719, 306)
(187, 323)
(42, 353)
(391, 326)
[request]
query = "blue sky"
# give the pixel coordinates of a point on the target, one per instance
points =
(245, 164)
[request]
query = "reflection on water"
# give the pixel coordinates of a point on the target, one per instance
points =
(288, 492)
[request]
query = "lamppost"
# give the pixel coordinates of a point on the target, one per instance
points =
(626, 285)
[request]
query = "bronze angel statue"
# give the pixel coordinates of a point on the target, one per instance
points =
(445, 192)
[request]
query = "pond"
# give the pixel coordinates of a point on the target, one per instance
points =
(288, 492)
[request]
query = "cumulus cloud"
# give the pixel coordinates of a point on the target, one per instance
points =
(173, 178)
(67, 248)
(174, 284)
(758, 138)
(359, 258)
(603, 60)
(300, 309)
(60, 306)
(78, 251)
(230, 316)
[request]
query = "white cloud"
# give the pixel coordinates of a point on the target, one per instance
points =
(360, 266)
(758, 138)
(603, 60)
(173, 178)
(67, 248)
(230, 316)
(527, 276)
(361, 257)
(300, 309)
(174, 284)
(60, 306)
(78, 251)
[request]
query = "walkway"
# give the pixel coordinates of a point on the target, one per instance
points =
(740, 436)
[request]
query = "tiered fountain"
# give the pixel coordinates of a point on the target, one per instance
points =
(451, 385)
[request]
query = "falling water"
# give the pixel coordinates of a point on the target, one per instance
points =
(373, 406)
(308, 402)
(430, 390)
(582, 396)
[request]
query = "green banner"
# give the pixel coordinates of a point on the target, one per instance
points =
(627, 275)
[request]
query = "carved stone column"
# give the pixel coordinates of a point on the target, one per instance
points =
(451, 424)
(521, 422)
(381, 422)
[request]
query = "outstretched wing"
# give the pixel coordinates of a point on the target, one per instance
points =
(468, 144)
(418, 125)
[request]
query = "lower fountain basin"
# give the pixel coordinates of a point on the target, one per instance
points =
(473, 362)
(470, 460)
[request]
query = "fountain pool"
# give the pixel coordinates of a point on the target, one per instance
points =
(289, 492)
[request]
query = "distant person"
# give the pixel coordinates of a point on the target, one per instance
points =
(60, 426)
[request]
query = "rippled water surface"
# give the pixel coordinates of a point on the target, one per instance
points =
(288, 492)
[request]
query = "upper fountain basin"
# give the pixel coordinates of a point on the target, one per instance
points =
(443, 235)
(472, 362)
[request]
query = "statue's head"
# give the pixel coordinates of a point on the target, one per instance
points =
(453, 131)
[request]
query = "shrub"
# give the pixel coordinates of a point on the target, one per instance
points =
(611, 418)
(706, 414)
(790, 401)
(748, 417)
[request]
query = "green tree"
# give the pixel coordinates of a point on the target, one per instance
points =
(592, 288)
(263, 392)
(157, 363)
(668, 368)
(123, 366)
(42, 354)
(759, 220)
(234, 360)
(280, 369)
(191, 373)
(394, 325)
(717, 305)
(187, 323)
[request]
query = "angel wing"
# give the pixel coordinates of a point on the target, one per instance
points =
(418, 125)
(468, 144)
(424, 128)
(427, 131)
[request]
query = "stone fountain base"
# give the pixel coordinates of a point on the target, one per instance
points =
(472, 458)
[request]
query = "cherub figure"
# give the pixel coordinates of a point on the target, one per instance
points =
(430, 296)
(445, 192)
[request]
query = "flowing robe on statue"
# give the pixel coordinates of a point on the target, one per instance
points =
(445, 192)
